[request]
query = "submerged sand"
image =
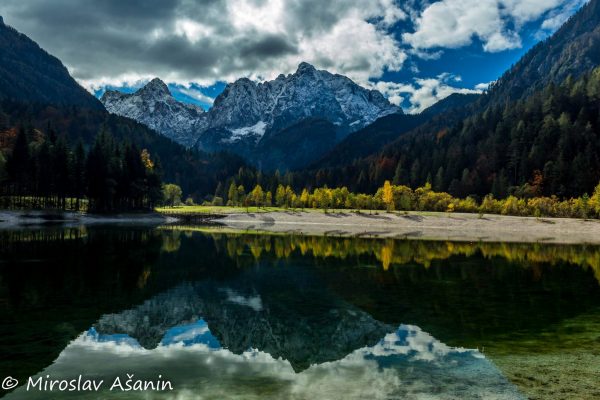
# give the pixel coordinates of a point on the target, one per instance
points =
(420, 225)
(20, 219)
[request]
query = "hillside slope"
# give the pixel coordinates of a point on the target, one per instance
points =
(29, 74)
(37, 92)
(374, 137)
(537, 131)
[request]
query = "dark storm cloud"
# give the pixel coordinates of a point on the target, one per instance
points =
(268, 46)
(177, 52)
(102, 41)
(318, 15)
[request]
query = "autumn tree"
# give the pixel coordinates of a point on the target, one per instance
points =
(388, 195)
(232, 195)
(304, 198)
(172, 194)
(256, 196)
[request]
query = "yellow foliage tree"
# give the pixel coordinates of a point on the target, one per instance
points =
(257, 196)
(146, 160)
(388, 195)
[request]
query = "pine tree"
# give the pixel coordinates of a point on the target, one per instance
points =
(18, 164)
(232, 194)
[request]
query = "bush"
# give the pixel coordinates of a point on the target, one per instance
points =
(217, 201)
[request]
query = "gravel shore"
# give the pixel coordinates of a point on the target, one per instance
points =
(417, 225)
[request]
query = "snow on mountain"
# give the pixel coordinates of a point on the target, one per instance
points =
(255, 132)
(289, 99)
(247, 113)
(154, 106)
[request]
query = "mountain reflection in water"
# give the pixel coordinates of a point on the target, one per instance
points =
(406, 363)
(232, 315)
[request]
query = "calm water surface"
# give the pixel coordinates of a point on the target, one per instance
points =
(254, 316)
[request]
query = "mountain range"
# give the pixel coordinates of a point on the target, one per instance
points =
(260, 121)
(154, 106)
(38, 94)
(535, 131)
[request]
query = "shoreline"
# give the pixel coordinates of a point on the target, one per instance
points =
(421, 225)
(416, 225)
(11, 219)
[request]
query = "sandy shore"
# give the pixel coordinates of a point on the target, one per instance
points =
(412, 225)
(415, 225)
(17, 219)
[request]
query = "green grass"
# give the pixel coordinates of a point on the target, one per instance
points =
(216, 209)
(240, 210)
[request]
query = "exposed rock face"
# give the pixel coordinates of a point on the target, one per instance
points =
(241, 318)
(246, 114)
(154, 106)
(289, 99)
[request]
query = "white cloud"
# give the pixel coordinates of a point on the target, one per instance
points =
(253, 302)
(125, 43)
(557, 17)
(456, 23)
(403, 364)
(353, 47)
(204, 42)
(523, 11)
(424, 92)
(195, 94)
(483, 86)
(190, 29)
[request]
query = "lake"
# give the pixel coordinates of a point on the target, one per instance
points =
(177, 312)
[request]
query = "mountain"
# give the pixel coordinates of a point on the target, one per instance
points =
(450, 103)
(572, 51)
(247, 116)
(373, 137)
(308, 93)
(309, 139)
(37, 92)
(154, 106)
(29, 74)
(250, 118)
(248, 313)
(536, 131)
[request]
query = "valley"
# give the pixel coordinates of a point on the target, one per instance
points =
(300, 200)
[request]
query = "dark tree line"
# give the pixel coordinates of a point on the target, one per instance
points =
(45, 171)
(196, 172)
(545, 144)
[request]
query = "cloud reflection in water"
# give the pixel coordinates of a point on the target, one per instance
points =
(408, 363)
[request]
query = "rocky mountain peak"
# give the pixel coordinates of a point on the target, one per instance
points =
(111, 95)
(155, 87)
(155, 106)
(247, 115)
(305, 67)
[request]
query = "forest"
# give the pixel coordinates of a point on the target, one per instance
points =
(399, 198)
(43, 170)
(196, 172)
(548, 141)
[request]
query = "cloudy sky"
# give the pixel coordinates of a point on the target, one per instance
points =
(414, 51)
